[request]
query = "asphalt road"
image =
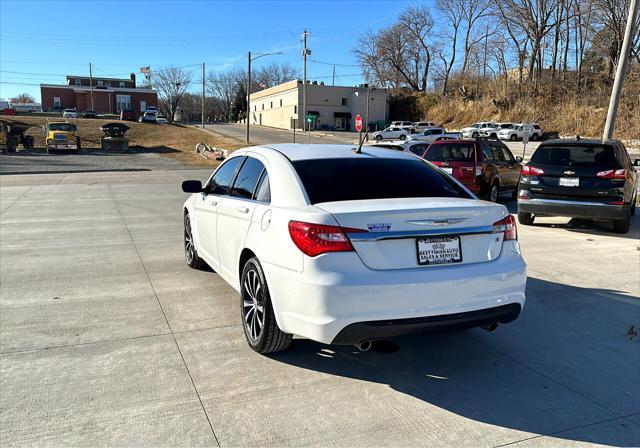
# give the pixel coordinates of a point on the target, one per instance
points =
(260, 135)
(86, 160)
(107, 338)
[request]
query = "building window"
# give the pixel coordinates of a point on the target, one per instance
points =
(56, 102)
(123, 102)
(255, 108)
(345, 102)
(121, 84)
(295, 109)
(262, 106)
(280, 103)
(100, 83)
(271, 104)
(78, 82)
(326, 100)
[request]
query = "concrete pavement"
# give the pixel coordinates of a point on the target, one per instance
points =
(108, 338)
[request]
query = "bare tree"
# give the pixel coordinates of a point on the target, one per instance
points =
(275, 74)
(418, 23)
(453, 17)
(223, 86)
(171, 84)
(23, 98)
(473, 12)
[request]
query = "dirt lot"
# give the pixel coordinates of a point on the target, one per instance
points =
(174, 141)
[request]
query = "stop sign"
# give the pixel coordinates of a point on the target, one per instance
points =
(358, 123)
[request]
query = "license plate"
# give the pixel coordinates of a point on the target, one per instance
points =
(569, 182)
(448, 170)
(439, 250)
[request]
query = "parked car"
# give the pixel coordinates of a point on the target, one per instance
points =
(517, 131)
(402, 124)
(485, 167)
(161, 119)
(152, 109)
(492, 130)
(128, 115)
(391, 133)
(70, 113)
(433, 134)
(473, 131)
(148, 117)
(343, 247)
(89, 114)
(579, 178)
(422, 125)
(416, 147)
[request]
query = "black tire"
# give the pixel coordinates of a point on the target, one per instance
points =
(258, 319)
(492, 192)
(78, 145)
(622, 225)
(403, 137)
(190, 252)
(493, 135)
(512, 137)
(534, 137)
(526, 219)
(474, 135)
(378, 138)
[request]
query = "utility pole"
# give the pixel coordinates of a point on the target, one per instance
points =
(203, 95)
(333, 81)
(305, 54)
(248, 94)
(91, 84)
(623, 60)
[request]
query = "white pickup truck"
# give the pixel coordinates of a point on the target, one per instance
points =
(517, 131)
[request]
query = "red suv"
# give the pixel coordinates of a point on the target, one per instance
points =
(128, 114)
(486, 167)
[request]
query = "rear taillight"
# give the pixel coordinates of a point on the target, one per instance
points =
(612, 174)
(616, 203)
(508, 226)
(531, 171)
(315, 239)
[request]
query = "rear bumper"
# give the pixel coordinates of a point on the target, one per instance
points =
(336, 291)
(354, 333)
(573, 209)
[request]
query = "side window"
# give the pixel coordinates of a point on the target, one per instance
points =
(486, 151)
(418, 149)
(221, 181)
(247, 178)
(263, 191)
(498, 154)
(507, 154)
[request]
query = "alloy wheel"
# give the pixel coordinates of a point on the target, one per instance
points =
(252, 305)
(189, 250)
(493, 194)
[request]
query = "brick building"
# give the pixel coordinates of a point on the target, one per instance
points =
(110, 95)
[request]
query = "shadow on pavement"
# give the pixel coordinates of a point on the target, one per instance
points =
(509, 378)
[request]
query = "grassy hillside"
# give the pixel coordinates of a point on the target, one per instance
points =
(171, 140)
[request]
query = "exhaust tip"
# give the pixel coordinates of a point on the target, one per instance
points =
(490, 327)
(364, 345)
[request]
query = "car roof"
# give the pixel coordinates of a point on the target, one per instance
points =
(578, 141)
(296, 152)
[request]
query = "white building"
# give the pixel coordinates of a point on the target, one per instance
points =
(330, 107)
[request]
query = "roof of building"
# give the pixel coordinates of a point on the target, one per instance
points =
(99, 88)
(101, 78)
(297, 151)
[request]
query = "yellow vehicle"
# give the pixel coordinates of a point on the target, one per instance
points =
(62, 135)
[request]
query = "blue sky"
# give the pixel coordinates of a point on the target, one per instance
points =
(42, 41)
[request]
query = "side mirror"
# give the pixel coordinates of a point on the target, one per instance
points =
(192, 186)
(519, 159)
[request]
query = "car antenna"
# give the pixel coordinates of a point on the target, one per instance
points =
(358, 150)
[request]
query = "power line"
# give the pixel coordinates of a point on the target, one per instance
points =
(331, 63)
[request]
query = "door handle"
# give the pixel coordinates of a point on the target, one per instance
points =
(214, 203)
(243, 209)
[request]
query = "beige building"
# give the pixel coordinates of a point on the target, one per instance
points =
(330, 107)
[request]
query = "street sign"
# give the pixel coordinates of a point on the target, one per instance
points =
(358, 123)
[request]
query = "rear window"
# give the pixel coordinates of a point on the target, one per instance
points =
(328, 180)
(451, 152)
(579, 155)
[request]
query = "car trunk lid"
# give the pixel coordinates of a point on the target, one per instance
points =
(398, 228)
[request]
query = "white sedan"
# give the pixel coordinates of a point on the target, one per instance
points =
(343, 247)
(391, 133)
